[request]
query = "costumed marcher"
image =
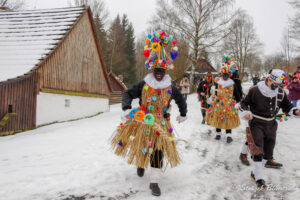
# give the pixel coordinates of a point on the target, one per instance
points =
(185, 86)
(260, 107)
(147, 136)
(203, 91)
(222, 113)
(294, 91)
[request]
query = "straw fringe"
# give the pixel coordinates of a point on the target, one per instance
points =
(132, 149)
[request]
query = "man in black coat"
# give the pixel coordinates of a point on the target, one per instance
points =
(260, 107)
(203, 91)
(158, 79)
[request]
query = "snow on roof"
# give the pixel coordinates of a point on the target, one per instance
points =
(27, 37)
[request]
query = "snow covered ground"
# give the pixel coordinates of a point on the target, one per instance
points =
(73, 160)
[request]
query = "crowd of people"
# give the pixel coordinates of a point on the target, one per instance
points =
(146, 136)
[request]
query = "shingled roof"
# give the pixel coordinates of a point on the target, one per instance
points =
(27, 37)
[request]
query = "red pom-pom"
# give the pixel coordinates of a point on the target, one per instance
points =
(143, 108)
(158, 91)
(157, 133)
(174, 42)
(146, 53)
(205, 85)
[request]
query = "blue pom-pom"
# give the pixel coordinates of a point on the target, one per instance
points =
(174, 55)
(149, 36)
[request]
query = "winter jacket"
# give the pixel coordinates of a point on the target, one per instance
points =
(263, 106)
(294, 91)
(255, 80)
(239, 89)
(136, 92)
(185, 87)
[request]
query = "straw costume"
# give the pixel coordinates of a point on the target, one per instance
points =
(147, 135)
(222, 113)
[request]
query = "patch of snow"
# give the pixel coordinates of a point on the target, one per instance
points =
(74, 159)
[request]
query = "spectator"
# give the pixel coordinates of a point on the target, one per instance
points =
(255, 80)
(297, 73)
(294, 91)
(185, 86)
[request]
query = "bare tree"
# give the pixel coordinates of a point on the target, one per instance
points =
(276, 60)
(295, 20)
(288, 48)
(97, 6)
(201, 22)
(242, 41)
(12, 4)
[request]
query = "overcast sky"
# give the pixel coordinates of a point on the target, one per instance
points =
(270, 16)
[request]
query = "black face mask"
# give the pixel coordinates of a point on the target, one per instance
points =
(274, 86)
(225, 76)
(159, 73)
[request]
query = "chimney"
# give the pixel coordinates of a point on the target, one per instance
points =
(2, 9)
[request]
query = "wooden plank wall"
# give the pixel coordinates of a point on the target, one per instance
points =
(21, 94)
(75, 66)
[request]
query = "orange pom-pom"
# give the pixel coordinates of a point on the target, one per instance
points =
(147, 41)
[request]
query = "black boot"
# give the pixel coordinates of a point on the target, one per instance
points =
(140, 172)
(155, 189)
(218, 137)
(229, 139)
(272, 164)
(244, 160)
(203, 121)
(252, 176)
(261, 185)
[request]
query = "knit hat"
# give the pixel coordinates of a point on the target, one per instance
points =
(156, 48)
(277, 75)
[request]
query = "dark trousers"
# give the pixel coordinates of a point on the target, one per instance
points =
(156, 159)
(227, 130)
(185, 96)
(264, 136)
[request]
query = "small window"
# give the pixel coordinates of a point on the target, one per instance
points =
(10, 108)
(67, 103)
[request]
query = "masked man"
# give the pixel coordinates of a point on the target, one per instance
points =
(260, 107)
(203, 91)
(222, 113)
(147, 135)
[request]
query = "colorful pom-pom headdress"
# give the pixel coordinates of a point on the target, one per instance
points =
(156, 50)
(228, 65)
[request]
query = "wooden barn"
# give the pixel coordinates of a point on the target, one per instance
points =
(118, 87)
(50, 68)
(202, 67)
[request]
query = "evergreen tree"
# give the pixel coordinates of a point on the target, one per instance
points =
(102, 37)
(116, 43)
(130, 51)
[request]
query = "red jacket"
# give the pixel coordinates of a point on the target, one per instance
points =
(294, 90)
